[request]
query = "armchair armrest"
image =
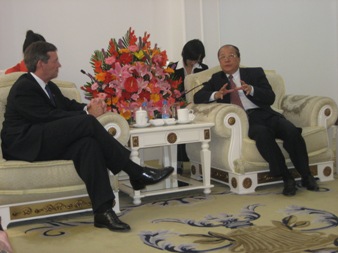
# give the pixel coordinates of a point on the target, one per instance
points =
(116, 125)
(227, 118)
(231, 126)
(305, 110)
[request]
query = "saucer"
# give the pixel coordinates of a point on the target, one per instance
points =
(184, 122)
(170, 121)
(157, 122)
(140, 126)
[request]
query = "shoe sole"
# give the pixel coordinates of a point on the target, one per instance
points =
(111, 229)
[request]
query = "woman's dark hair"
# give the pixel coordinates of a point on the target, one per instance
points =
(30, 38)
(37, 51)
(193, 50)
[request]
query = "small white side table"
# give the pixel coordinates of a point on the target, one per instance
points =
(168, 137)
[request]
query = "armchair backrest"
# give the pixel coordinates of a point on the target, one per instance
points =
(194, 80)
(69, 89)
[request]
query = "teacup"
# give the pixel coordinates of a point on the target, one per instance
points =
(141, 118)
(185, 115)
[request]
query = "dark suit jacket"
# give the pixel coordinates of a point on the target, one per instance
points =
(263, 93)
(28, 109)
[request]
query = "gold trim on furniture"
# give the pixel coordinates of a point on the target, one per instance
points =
(172, 138)
(327, 112)
(135, 141)
(231, 121)
(234, 182)
(327, 171)
(220, 175)
(206, 134)
(112, 131)
(49, 207)
(247, 183)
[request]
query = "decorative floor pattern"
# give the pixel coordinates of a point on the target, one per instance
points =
(190, 222)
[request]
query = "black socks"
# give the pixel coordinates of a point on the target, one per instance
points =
(133, 170)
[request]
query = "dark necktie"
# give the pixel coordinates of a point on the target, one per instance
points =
(234, 96)
(51, 97)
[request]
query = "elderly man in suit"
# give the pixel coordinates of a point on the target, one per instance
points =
(41, 124)
(250, 89)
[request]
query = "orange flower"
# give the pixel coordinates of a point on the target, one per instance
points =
(169, 70)
(101, 76)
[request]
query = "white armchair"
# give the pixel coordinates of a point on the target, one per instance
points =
(41, 189)
(235, 160)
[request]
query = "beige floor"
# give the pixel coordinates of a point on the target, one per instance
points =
(264, 216)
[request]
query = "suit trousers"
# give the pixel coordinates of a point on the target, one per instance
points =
(265, 127)
(84, 140)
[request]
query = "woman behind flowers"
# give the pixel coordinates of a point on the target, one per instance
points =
(193, 54)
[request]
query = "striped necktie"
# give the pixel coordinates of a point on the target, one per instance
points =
(234, 96)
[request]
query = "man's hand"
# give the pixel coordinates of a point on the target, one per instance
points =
(219, 94)
(246, 88)
(96, 107)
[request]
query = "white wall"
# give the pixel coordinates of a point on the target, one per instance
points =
(298, 38)
(79, 27)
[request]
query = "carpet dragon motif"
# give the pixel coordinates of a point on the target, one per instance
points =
(291, 234)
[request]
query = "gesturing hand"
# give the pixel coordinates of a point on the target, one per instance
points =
(246, 88)
(222, 91)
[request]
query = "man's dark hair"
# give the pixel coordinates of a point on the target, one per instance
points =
(234, 47)
(37, 51)
(193, 50)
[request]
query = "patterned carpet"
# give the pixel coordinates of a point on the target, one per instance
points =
(223, 222)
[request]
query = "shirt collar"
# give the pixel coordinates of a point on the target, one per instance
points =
(235, 75)
(40, 82)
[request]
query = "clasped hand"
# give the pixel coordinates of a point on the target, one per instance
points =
(96, 107)
(223, 91)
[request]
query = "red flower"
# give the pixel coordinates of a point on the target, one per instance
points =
(131, 84)
(126, 58)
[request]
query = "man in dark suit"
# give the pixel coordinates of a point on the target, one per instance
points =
(250, 89)
(41, 124)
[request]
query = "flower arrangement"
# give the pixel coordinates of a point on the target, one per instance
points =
(131, 72)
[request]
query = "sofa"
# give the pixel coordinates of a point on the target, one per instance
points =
(235, 160)
(30, 190)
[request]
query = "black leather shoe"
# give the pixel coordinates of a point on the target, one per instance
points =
(109, 220)
(150, 176)
(289, 187)
(310, 183)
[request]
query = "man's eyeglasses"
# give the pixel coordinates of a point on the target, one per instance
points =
(226, 58)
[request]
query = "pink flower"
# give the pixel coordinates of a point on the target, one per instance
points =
(133, 48)
(95, 86)
(110, 60)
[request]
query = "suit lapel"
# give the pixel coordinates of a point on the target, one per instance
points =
(42, 92)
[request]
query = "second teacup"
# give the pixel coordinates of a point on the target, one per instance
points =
(185, 115)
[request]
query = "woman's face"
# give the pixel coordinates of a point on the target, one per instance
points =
(191, 63)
